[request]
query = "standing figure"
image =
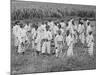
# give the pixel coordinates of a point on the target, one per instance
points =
(75, 31)
(27, 28)
(46, 40)
(90, 42)
(81, 31)
(58, 43)
(34, 33)
(22, 38)
(15, 30)
(69, 41)
(63, 24)
(40, 33)
(88, 27)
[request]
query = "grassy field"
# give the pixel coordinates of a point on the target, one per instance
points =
(29, 63)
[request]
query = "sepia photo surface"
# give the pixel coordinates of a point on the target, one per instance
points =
(52, 37)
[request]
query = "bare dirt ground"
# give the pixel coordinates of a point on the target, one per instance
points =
(30, 63)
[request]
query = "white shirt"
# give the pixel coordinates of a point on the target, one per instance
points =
(62, 24)
(55, 29)
(51, 24)
(70, 27)
(81, 28)
(16, 30)
(33, 32)
(89, 39)
(59, 38)
(27, 28)
(41, 28)
(47, 35)
(88, 29)
(69, 39)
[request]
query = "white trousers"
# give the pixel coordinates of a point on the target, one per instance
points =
(39, 46)
(82, 37)
(16, 41)
(33, 44)
(46, 46)
(70, 50)
(90, 49)
(58, 49)
(75, 37)
(21, 44)
(20, 48)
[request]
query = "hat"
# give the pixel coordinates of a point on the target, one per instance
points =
(90, 32)
(68, 32)
(47, 27)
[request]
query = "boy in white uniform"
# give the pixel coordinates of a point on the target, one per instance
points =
(63, 24)
(74, 31)
(22, 38)
(46, 39)
(15, 30)
(88, 27)
(40, 32)
(55, 29)
(27, 28)
(90, 42)
(51, 24)
(70, 26)
(34, 33)
(58, 43)
(81, 30)
(69, 41)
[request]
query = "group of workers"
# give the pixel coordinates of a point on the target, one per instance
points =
(52, 36)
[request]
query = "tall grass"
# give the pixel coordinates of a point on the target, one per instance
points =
(31, 13)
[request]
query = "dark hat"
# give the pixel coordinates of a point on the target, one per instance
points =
(49, 20)
(47, 27)
(73, 22)
(62, 21)
(88, 23)
(46, 22)
(80, 19)
(59, 26)
(85, 19)
(66, 24)
(68, 32)
(90, 32)
(21, 25)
